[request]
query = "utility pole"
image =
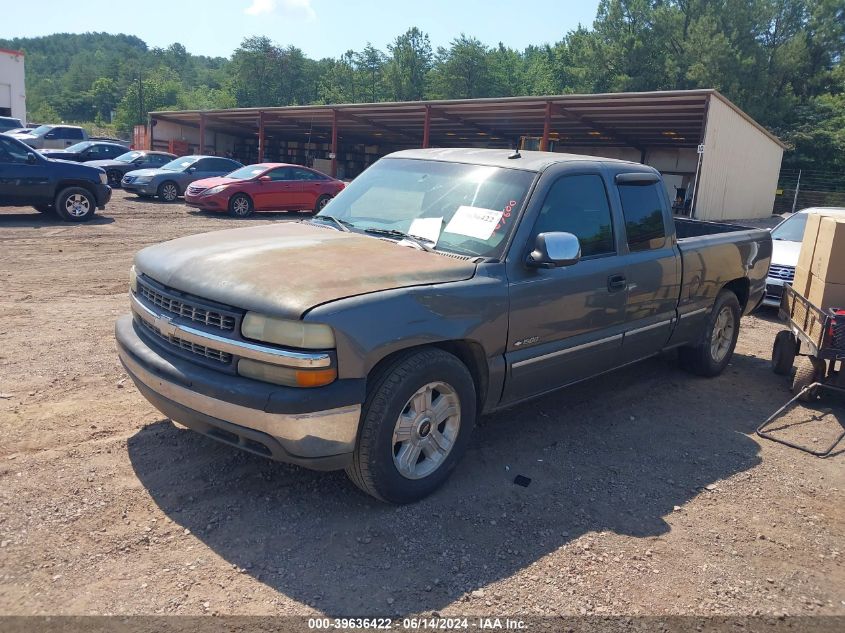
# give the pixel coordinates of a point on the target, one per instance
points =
(797, 189)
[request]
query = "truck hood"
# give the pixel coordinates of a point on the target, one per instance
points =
(286, 269)
(785, 253)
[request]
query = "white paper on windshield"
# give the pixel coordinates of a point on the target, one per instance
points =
(427, 228)
(474, 222)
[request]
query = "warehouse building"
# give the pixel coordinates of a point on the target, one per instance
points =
(717, 161)
(12, 84)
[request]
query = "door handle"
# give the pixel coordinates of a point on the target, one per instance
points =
(615, 283)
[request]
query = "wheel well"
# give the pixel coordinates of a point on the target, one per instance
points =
(469, 353)
(242, 193)
(61, 186)
(741, 288)
(176, 184)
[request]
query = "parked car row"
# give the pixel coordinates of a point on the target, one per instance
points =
(50, 181)
(219, 184)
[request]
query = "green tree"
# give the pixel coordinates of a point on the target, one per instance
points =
(462, 71)
(410, 62)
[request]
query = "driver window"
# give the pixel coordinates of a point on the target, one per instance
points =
(11, 152)
(578, 205)
(283, 173)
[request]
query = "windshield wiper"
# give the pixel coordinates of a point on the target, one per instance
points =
(419, 241)
(342, 225)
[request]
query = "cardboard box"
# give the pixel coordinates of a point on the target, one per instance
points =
(801, 283)
(808, 244)
(825, 294)
(829, 254)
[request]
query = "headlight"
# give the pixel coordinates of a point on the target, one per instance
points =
(143, 180)
(133, 280)
(287, 332)
(287, 376)
(104, 180)
(213, 190)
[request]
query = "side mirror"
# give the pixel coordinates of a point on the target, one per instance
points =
(552, 250)
(191, 170)
(264, 179)
(31, 159)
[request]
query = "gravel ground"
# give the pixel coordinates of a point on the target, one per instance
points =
(649, 493)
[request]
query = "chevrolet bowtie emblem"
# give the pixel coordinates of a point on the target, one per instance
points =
(165, 325)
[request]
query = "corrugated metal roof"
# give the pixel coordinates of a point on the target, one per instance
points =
(633, 119)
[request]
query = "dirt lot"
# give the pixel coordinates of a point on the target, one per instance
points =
(650, 493)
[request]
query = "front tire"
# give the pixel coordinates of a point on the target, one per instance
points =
(710, 357)
(415, 426)
(168, 191)
(783, 353)
(240, 205)
(75, 204)
(322, 201)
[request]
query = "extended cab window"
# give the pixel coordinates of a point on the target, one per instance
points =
(578, 205)
(642, 206)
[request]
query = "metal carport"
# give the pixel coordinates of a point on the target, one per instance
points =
(737, 173)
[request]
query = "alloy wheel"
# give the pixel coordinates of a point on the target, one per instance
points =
(723, 334)
(426, 430)
(77, 205)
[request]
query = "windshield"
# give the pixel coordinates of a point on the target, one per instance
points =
(78, 147)
(128, 157)
(180, 164)
(245, 173)
(465, 209)
(41, 130)
(791, 229)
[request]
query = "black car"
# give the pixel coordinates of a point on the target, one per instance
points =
(86, 151)
(130, 161)
(74, 192)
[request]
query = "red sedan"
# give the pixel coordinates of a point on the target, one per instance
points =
(264, 187)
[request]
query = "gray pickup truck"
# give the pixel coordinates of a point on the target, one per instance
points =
(439, 285)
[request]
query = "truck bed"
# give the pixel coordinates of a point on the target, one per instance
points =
(714, 254)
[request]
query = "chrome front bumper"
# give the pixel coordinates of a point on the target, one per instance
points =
(322, 440)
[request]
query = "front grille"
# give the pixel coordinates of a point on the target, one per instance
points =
(196, 190)
(201, 350)
(787, 273)
(184, 308)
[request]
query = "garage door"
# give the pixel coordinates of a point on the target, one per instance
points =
(5, 96)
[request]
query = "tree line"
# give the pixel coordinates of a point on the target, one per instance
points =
(779, 60)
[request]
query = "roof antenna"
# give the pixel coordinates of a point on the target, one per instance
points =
(515, 154)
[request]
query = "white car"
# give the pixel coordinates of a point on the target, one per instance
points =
(786, 245)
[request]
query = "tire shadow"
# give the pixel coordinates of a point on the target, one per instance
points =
(614, 454)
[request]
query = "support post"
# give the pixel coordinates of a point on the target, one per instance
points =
(797, 189)
(547, 128)
(202, 134)
(262, 142)
(426, 126)
(334, 144)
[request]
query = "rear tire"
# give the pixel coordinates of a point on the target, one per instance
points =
(75, 204)
(783, 353)
(321, 202)
(415, 426)
(240, 205)
(808, 371)
(710, 357)
(168, 191)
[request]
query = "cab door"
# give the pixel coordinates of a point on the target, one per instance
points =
(566, 323)
(652, 265)
(21, 182)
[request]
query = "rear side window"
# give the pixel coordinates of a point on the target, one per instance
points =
(578, 205)
(642, 206)
(71, 133)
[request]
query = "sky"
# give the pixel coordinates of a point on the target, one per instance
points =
(321, 28)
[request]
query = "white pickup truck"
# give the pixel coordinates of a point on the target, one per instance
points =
(52, 136)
